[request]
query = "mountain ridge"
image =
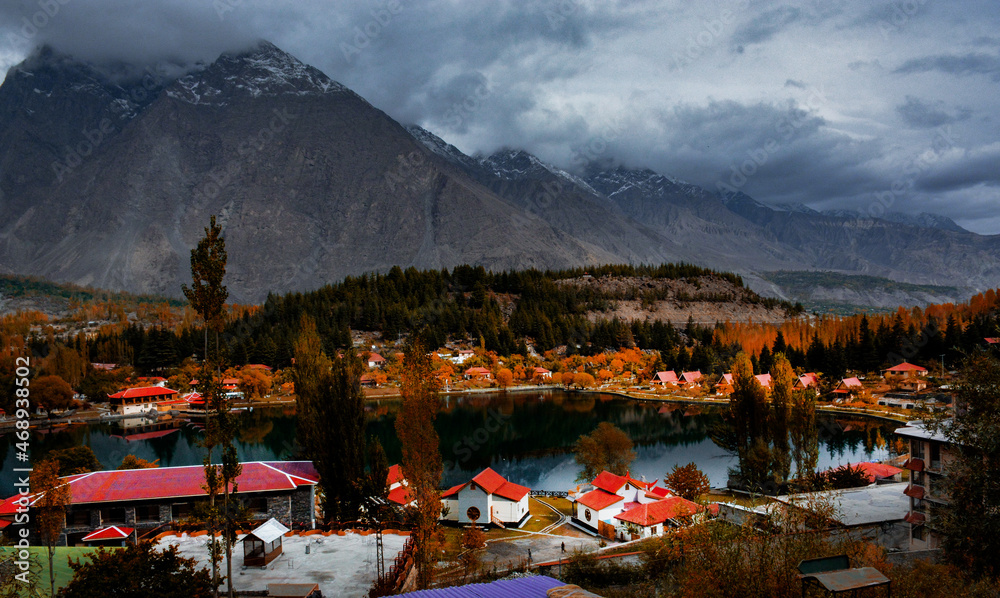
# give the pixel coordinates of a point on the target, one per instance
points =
(312, 183)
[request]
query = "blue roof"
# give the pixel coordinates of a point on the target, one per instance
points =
(522, 587)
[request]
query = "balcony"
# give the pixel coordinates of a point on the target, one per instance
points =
(914, 464)
(914, 491)
(915, 518)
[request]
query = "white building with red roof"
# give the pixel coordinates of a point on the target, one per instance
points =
(807, 380)
(907, 376)
(652, 519)
(375, 360)
(611, 495)
(487, 498)
(478, 372)
(146, 499)
(139, 401)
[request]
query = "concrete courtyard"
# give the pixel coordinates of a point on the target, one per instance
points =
(343, 566)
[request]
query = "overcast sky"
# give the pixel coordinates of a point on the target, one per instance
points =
(832, 103)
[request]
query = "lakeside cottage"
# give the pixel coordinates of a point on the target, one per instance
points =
(143, 400)
(597, 510)
(485, 499)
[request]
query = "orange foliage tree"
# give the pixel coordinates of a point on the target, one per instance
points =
(421, 454)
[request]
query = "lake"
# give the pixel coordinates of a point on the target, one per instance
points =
(525, 436)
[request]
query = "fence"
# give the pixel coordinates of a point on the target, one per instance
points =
(393, 581)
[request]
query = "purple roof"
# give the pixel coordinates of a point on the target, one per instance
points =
(523, 587)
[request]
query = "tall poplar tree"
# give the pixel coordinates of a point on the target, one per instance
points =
(207, 294)
(421, 453)
(331, 422)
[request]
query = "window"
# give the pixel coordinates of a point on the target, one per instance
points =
(918, 532)
(917, 448)
(147, 513)
(256, 506)
(935, 456)
(473, 514)
(78, 517)
(180, 511)
(586, 514)
(112, 515)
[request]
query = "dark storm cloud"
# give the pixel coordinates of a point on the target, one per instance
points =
(966, 64)
(917, 113)
(813, 116)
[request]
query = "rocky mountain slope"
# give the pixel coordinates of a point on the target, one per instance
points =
(109, 180)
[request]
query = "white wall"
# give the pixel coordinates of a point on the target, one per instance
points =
(473, 496)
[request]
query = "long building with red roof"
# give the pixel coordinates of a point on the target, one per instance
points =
(485, 499)
(652, 519)
(146, 499)
(134, 401)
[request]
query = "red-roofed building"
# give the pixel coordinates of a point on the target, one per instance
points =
(877, 472)
(487, 498)
(110, 536)
(992, 340)
(848, 388)
(764, 380)
(664, 378)
(690, 378)
(399, 489)
(135, 401)
(611, 494)
(260, 366)
(907, 376)
(725, 385)
(652, 519)
(542, 373)
(375, 360)
(807, 380)
(149, 498)
(478, 372)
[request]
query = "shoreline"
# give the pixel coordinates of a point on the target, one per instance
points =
(95, 417)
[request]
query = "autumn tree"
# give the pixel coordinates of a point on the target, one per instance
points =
(971, 520)
(687, 481)
(473, 541)
(77, 459)
(51, 392)
(331, 421)
(606, 448)
(133, 462)
(803, 433)
(49, 509)
(782, 381)
(747, 423)
(505, 378)
(421, 453)
(207, 294)
(137, 571)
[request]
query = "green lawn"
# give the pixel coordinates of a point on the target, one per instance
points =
(60, 563)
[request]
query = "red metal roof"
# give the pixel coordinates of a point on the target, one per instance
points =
(110, 533)
(691, 377)
(453, 491)
(395, 475)
(494, 483)
(599, 499)
(669, 377)
(477, 372)
(609, 482)
(659, 492)
(146, 391)
(176, 482)
(764, 380)
(660, 511)
(874, 471)
(401, 495)
(906, 367)
(375, 358)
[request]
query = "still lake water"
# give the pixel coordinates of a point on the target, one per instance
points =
(526, 437)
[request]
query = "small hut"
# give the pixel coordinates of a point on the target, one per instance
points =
(263, 545)
(110, 536)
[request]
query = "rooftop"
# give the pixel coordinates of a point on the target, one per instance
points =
(861, 506)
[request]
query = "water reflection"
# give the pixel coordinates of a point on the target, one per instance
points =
(527, 437)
